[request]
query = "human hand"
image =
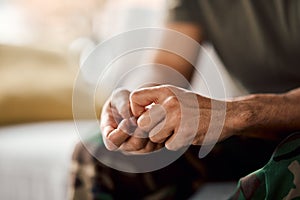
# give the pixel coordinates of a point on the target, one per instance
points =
(181, 117)
(119, 129)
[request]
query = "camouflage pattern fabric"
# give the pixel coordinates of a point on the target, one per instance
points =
(92, 180)
(278, 179)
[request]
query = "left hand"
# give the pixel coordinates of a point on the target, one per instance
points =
(178, 117)
(119, 129)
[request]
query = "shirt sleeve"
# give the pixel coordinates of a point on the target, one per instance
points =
(181, 11)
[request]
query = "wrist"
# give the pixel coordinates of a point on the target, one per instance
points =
(239, 115)
(259, 114)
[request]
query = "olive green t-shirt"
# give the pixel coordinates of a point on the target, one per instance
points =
(257, 40)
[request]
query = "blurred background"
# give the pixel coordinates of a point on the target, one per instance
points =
(42, 43)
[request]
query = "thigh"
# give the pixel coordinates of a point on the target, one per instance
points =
(92, 179)
(228, 160)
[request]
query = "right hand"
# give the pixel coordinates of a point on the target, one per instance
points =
(119, 129)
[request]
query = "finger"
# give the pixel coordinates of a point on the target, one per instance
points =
(134, 129)
(173, 144)
(178, 140)
(116, 115)
(107, 130)
(153, 147)
(134, 144)
(149, 147)
(161, 132)
(107, 125)
(120, 101)
(139, 133)
(159, 146)
(146, 96)
(165, 128)
(107, 119)
(149, 119)
(118, 136)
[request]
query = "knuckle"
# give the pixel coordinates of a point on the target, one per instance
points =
(119, 98)
(135, 94)
(120, 92)
(171, 102)
(166, 89)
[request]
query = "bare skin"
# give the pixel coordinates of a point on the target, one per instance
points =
(125, 117)
(119, 130)
(116, 139)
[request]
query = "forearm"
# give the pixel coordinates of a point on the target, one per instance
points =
(167, 67)
(269, 115)
(176, 61)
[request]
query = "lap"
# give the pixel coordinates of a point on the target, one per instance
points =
(229, 160)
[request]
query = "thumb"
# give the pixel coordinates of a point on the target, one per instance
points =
(141, 98)
(120, 101)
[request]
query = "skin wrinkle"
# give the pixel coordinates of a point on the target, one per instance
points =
(267, 116)
(125, 135)
(170, 103)
(249, 115)
(151, 117)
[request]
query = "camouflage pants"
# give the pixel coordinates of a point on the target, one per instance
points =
(229, 160)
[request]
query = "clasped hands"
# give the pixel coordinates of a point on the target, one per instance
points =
(151, 118)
